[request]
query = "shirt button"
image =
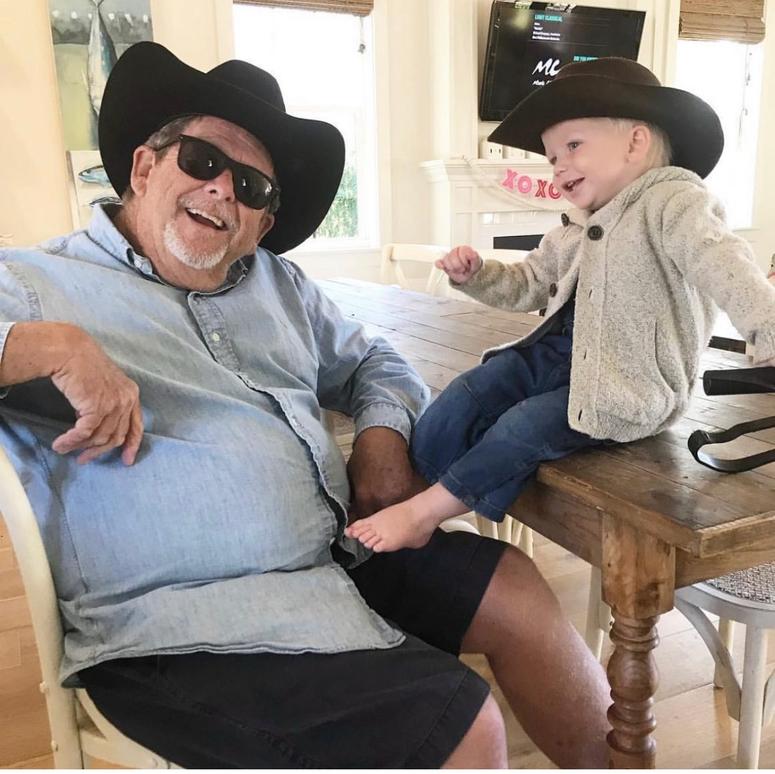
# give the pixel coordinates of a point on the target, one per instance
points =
(216, 337)
(595, 233)
(553, 289)
(564, 219)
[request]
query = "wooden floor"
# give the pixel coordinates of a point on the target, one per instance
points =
(694, 730)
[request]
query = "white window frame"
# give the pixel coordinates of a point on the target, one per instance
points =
(743, 139)
(366, 150)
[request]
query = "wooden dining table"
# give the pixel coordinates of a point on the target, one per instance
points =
(646, 513)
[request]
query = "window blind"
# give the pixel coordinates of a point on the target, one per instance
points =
(741, 21)
(355, 7)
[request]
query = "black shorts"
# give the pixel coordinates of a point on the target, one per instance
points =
(403, 707)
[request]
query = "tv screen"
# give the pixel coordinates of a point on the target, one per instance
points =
(528, 43)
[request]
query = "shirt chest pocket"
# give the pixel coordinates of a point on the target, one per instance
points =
(275, 354)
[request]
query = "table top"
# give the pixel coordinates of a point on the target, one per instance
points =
(655, 483)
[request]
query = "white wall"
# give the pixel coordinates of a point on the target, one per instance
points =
(763, 234)
(428, 55)
(35, 201)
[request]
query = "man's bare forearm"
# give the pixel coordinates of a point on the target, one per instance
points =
(35, 350)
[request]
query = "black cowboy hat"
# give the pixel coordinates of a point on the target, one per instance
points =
(613, 87)
(149, 86)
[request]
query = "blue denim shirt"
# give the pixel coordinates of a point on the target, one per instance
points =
(226, 535)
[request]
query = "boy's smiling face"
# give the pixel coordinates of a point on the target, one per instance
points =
(595, 158)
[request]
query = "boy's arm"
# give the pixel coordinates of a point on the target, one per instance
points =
(721, 265)
(518, 287)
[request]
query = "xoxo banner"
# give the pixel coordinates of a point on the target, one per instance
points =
(529, 186)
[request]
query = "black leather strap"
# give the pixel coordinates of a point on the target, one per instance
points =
(734, 382)
(700, 438)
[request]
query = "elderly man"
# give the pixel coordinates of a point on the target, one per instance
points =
(213, 608)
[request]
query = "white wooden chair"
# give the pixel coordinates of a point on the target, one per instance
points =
(746, 597)
(395, 257)
(78, 730)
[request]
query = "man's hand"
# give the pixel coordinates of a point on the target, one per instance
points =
(380, 472)
(106, 401)
(460, 264)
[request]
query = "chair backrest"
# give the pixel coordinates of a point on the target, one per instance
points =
(395, 256)
(77, 727)
(506, 256)
(41, 598)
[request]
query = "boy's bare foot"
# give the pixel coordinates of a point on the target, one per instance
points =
(409, 524)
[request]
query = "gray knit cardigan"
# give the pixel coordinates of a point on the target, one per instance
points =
(650, 269)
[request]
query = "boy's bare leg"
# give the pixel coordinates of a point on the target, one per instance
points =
(556, 688)
(408, 524)
(484, 745)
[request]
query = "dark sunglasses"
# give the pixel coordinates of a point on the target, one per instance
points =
(204, 161)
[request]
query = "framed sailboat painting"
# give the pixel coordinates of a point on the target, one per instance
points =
(88, 37)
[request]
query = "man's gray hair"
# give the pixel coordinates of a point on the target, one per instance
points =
(161, 141)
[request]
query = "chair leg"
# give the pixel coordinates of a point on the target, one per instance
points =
(487, 527)
(596, 627)
(726, 632)
(517, 528)
(526, 541)
(459, 524)
(752, 700)
(505, 529)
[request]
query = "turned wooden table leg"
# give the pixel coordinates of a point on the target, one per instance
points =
(632, 673)
(638, 583)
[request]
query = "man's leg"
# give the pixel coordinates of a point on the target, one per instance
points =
(484, 745)
(557, 690)
(412, 706)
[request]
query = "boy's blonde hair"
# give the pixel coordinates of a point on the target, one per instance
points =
(661, 151)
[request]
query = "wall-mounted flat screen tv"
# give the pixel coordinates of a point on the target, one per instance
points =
(527, 43)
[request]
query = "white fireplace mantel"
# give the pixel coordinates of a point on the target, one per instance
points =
(475, 200)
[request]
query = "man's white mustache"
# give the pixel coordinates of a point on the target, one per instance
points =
(210, 210)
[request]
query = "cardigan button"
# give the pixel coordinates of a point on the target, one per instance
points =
(565, 219)
(553, 289)
(595, 233)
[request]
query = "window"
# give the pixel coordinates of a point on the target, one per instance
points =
(324, 65)
(728, 76)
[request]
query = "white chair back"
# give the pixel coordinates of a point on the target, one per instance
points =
(505, 256)
(78, 729)
(396, 256)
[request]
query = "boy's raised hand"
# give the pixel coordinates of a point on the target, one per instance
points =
(460, 264)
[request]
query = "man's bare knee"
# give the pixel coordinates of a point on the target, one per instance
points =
(484, 745)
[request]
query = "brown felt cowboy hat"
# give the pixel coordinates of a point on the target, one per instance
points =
(149, 86)
(613, 87)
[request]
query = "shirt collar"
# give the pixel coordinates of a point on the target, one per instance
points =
(103, 231)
